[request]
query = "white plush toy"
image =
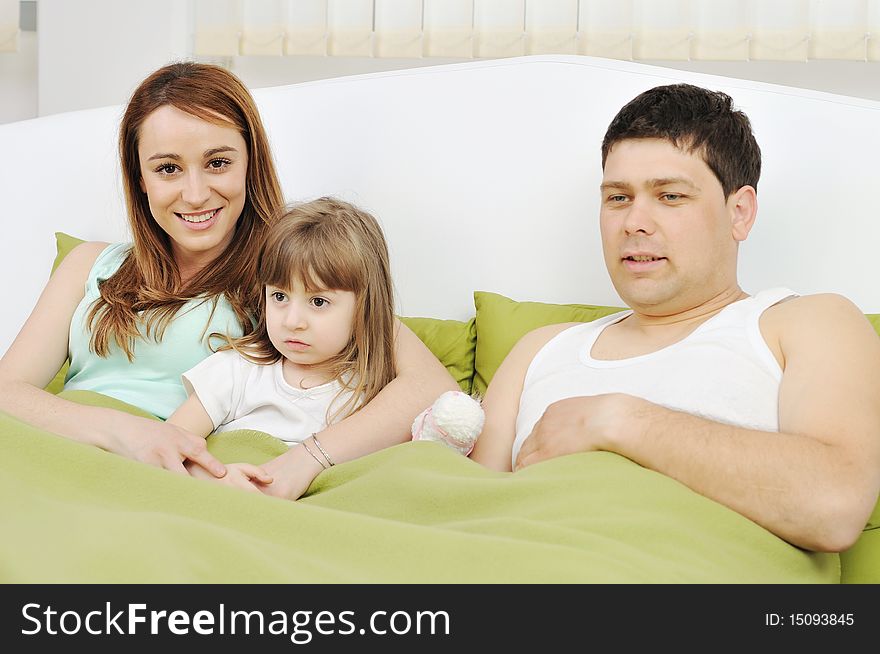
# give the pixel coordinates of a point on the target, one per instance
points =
(455, 419)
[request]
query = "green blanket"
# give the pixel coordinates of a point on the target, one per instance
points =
(414, 513)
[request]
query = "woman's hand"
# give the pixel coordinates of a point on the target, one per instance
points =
(158, 443)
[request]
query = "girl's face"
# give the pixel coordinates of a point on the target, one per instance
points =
(194, 173)
(308, 328)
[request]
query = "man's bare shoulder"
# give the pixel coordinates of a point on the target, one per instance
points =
(821, 308)
(825, 320)
(539, 337)
(521, 355)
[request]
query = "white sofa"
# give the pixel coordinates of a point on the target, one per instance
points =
(485, 176)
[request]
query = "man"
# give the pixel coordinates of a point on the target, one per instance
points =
(769, 404)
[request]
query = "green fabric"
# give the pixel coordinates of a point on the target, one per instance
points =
(452, 341)
(414, 513)
(860, 564)
(501, 322)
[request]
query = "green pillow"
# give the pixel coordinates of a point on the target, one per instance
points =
(501, 322)
(452, 341)
(64, 243)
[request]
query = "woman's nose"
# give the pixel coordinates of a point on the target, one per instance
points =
(196, 191)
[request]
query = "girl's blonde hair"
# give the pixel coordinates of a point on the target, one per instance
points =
(328, 243)
(148, 281)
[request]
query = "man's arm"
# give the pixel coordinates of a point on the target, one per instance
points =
(501, 403)
(814, 484)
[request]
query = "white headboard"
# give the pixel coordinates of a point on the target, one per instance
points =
(485, 176)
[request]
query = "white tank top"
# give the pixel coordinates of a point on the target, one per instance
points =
(722, 371)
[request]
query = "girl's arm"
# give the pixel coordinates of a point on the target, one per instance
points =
(384, 422)
(191, 415)
(40, 350)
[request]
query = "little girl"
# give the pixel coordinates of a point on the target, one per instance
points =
(323, 344)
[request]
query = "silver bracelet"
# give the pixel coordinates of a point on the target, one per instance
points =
(315, 438)
(321, 463)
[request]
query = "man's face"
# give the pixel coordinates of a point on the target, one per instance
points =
(666, 227)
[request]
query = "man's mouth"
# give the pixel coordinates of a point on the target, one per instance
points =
(200, 217)
(642, 258)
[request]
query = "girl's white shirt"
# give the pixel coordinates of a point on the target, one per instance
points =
(239, 394)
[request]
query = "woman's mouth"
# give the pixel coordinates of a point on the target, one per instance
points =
(199, 220)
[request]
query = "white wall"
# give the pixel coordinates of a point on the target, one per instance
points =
(857, 78)
(92, 53)
(18, 80)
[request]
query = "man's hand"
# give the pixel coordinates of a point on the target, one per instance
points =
(579, 424)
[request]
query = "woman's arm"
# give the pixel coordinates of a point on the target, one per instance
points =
(40, 350)
(385, 421)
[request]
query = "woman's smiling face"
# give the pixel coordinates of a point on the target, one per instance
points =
(194, 174)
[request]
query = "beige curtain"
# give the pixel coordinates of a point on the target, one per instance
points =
(734, 30)
(8, 25)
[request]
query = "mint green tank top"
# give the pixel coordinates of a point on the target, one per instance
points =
(152, 381)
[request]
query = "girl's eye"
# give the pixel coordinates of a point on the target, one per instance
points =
(167, 169)
(319, 301)
(278, 296)
(218, 164)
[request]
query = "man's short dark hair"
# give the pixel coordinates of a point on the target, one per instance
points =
(695, 120)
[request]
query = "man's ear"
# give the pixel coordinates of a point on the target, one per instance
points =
(742, 206)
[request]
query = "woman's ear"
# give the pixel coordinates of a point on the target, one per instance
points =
(142, 185)
(743, 207)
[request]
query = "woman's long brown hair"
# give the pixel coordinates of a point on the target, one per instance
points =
(147, 289)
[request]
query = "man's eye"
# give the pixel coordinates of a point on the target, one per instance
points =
(672, 197)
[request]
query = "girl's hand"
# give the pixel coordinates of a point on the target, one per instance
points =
(292, 472)
(238, 475)
(159, 444)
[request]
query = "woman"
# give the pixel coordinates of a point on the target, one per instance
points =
(200, 188)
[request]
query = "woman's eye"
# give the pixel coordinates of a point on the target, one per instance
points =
(218, 164)
(167, 169)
